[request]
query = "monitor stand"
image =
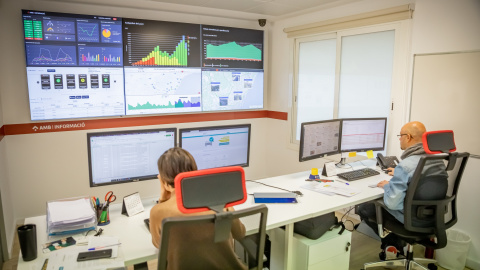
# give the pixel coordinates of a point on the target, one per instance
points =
(342, 163)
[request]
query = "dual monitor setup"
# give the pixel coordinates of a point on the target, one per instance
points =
(126, 156)
(322, 138)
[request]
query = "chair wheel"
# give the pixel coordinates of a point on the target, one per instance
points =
(432, 266)
(382, 255)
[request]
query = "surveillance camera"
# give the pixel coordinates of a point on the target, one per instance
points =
(262, 22)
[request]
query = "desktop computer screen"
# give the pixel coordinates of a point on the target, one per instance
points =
(220, 146)
(319, 138)
(363, 134)
(126, 156)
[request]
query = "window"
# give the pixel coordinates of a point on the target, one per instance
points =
(366, 75)
(316, 79)
(349, 74)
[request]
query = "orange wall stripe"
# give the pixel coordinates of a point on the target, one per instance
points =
(2, 132)
(46, 127)
(277, 115)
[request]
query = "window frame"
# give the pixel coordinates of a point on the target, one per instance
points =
(399, 94)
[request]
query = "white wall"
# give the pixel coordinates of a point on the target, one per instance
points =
(453, 26)
(468, 214)
(7, 206)
(446, 26)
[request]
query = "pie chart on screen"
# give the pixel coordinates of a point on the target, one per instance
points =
(106, 33)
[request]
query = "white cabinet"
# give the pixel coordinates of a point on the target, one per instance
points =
(331, 251)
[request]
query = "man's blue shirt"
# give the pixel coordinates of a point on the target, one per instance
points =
(396, 189)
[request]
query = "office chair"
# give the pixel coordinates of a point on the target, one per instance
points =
(204, 190)
(430, 202)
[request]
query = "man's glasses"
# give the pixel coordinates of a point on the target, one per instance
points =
(400, 135)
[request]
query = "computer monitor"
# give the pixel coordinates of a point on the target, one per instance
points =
(219, 146)
(363, 134)
(126, 156)
(319, 138)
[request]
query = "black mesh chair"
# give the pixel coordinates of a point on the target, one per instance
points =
(204, 190)
(430, 202)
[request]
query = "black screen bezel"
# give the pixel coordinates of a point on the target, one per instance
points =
(302, 140)
(249, 126)
(364, 149)
(110, 133)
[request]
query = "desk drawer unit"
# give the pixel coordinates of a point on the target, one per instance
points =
(331, 251)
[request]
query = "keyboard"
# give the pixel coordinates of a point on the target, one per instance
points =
(358, 174)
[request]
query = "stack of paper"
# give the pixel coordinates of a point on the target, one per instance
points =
(331, 188)
(70, 216)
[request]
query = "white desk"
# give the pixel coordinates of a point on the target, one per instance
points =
(312, 203)
(136, 241)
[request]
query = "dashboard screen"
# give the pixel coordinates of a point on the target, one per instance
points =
(319, 138)
(81, 66)
(363, 134)
(74, 65)
(214, 147)
(126, 156)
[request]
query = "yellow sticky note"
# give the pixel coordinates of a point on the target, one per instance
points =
(352, 154)
(370, 154)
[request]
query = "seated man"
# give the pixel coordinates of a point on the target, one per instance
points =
(191, 241)
(411, 142)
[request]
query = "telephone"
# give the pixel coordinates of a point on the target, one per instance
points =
(387, 162)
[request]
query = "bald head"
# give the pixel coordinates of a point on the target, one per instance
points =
(412, 134)
(415, 129)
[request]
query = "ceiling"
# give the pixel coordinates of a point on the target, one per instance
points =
(269, 8)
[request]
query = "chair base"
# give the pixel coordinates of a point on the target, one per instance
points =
(408, 264)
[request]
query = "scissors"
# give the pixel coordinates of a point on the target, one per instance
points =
(109, 198)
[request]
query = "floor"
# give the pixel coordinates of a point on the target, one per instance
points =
(364, 249)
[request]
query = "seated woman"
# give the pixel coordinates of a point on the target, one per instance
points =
(196, 241)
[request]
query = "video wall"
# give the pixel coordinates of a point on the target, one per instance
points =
(96, 66)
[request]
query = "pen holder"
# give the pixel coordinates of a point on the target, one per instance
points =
(103, 216)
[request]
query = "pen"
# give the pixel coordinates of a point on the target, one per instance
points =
(95, 248)
(92, 200)
(343, 182)
(319, 180)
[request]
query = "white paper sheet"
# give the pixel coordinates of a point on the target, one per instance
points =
(68, 261)
(331, 188)
(65, 212)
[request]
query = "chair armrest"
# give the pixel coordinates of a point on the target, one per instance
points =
(379, 205)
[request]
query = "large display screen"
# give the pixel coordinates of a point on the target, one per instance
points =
(214, 147)
(74, 65)
(95, 66)
(126, 156)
